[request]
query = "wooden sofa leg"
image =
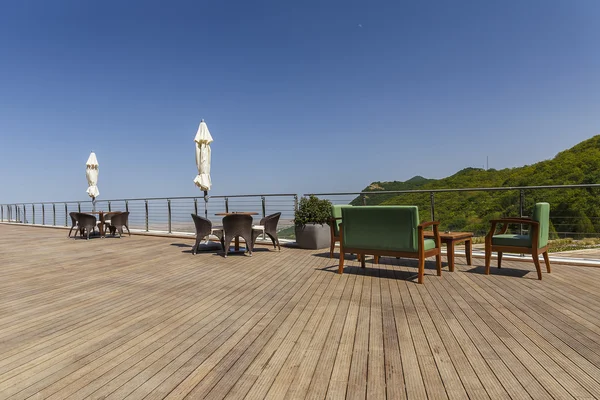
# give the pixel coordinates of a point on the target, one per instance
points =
(438, 264)
(341, 266)
(488, 259)
(376, 259)
(331, 248)
(362, 260)
(421, 269)
(536, 261)
(499, 259)
(547, 260)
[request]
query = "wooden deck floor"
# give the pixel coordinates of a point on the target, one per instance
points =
(141, 317)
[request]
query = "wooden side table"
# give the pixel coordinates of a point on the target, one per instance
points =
(450, 239)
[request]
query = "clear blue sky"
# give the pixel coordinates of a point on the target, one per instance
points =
(305, 96)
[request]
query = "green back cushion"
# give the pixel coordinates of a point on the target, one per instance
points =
(392, 228)
(541, 214)
(336, 212)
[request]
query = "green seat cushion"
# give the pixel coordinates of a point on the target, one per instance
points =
(429, 244)
(511, 240)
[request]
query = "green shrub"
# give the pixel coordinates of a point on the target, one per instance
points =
(312, 210)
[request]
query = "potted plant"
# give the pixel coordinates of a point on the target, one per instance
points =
(312, 231)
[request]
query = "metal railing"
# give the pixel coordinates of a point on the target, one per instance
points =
(158, 214)
(453, 207)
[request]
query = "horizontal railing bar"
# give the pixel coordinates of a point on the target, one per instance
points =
(159, 198)
(582, 186)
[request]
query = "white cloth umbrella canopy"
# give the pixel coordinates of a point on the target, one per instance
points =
(203, 140)
(91, 173)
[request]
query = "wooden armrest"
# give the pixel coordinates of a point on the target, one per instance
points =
(506, 221)
(427, 224)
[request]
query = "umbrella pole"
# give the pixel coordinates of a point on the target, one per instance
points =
(206, 204)
(93, 204)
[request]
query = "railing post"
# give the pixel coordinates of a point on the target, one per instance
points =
(521, 207)
(363, 199)
(53, 214)
(43, 214)
(264, 213)
(79, 206)
(146, 201)
(432, 200)
(226, 204)
(126, 205)
(195, 206)
(2, 213)
(24, 214)
(33, 212)
(169, 208)
(109, 210)
(295, 202)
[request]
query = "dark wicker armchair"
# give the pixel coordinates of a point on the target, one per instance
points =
(86, 223)
(268, 226)
(204, 228)
(238, 225)
(74, 225)
(117, 222)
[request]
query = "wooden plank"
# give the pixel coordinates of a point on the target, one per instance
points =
(341, 368)
(141, 317)
(145, 350)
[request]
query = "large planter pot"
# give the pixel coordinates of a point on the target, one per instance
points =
(313, 236)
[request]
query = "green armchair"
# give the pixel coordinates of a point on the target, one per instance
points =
(534, 243)
(388, 231)
(334, 225)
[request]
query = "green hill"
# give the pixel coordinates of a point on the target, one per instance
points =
(573, 211)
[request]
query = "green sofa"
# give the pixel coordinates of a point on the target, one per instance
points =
(388, 231)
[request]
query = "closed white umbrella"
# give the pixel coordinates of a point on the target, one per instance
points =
(203, 140)
(91, 173)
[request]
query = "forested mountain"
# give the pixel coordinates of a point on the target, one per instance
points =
(573, 211)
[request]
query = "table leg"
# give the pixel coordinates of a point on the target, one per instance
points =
(468, 250)
(237, 243)
(450, 254)
(101, 226)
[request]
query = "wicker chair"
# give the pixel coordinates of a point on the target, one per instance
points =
(107, 220)
(74, 225)
(86, 223)
(268, 226)
(238, 225)
(204, 228)
(117, 222)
